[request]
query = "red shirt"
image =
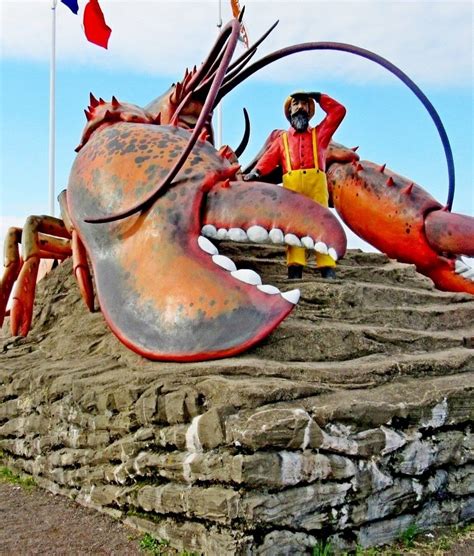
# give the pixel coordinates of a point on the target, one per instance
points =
(300, 143)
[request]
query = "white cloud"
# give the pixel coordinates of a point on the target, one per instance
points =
(430, 40)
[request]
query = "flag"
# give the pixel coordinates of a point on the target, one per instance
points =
(72, 5)
(95, 28)
(243, 32)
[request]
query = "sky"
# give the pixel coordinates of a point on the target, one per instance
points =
(153, 41)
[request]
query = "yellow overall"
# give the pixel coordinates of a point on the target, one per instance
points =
(310, 182)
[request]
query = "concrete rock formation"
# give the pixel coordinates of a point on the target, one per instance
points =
(350, 423)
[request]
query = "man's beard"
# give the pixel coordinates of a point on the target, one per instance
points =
(300, 120)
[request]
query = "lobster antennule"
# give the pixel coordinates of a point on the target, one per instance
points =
(245, 139)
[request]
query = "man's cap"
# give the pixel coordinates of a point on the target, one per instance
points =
(300, 95)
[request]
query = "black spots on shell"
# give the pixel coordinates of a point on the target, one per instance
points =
(241, 195)
(212, 302)
(151, 170)
(141, 159)
(117, 146)
(174, 217)
(196, 160)
(407, 228)
(130, 148)
(173, 154)
(162, 144)
(272, 195)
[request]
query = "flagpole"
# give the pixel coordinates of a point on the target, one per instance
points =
(52, 106)
(219, 106)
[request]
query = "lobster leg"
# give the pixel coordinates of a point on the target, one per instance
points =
(81, 271)
(79, 256)
(13, 265)
(37, 242)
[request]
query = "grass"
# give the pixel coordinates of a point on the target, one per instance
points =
(160, 547)
(412, 542)
(323, 548)
(407, 538)
(7, 476)
(149, 544)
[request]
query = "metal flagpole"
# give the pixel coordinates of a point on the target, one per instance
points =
(52, 105)
(219, 106)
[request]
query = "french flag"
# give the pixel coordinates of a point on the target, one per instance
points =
(95, 28)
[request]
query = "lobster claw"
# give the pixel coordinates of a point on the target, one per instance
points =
(178, 299)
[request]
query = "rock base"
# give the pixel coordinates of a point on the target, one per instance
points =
(350, 423)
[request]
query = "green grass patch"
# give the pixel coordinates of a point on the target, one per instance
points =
(407, 538)
(413, 542)
(7, 476)
(323, 548)
(160, 547)
(149, 544)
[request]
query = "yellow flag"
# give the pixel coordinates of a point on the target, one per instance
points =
(243, 32)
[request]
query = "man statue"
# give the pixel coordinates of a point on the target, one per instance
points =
(300, 152)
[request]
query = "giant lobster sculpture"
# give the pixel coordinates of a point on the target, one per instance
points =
(147, 186)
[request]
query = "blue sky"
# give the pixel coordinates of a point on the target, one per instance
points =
(153, 41)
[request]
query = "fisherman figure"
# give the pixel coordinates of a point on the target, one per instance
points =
(301, 154)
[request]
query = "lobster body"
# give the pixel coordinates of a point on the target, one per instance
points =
(148, 188)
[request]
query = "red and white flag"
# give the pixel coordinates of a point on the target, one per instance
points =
(95, 28)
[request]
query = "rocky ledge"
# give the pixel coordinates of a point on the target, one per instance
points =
(350, 423)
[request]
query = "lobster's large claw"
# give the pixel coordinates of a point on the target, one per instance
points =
(165, 294)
